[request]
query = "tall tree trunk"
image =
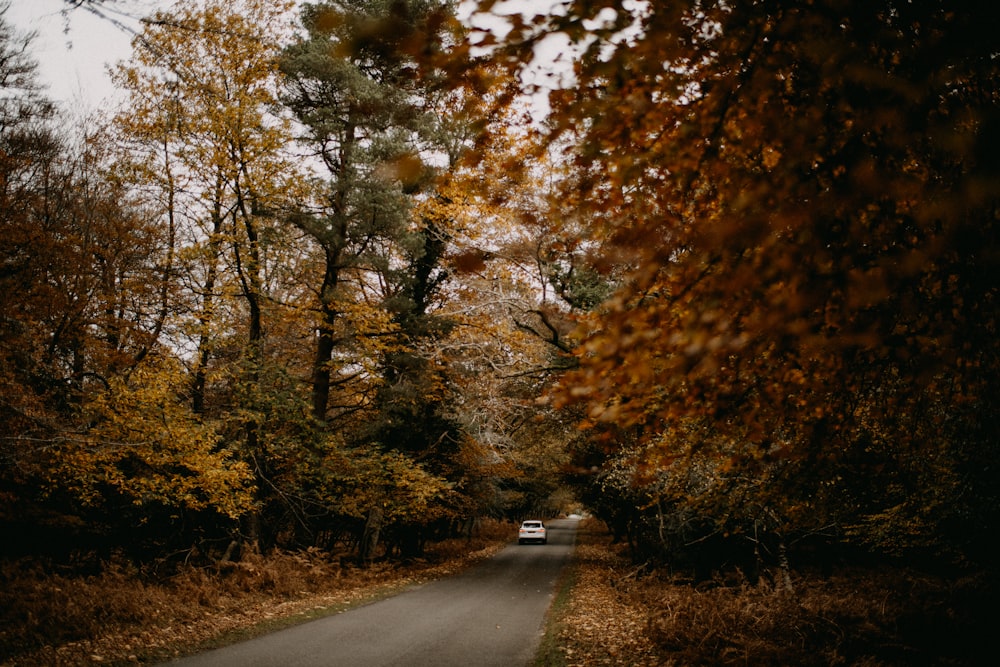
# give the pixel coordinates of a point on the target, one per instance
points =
(324, 343)
(249, 270)
(371, 535)
(321, 374)
(334, 246)
(206, 314)
(785, 567)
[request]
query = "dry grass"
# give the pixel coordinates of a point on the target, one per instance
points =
(120, 617)
(618, 615)
(609, 613)
(595, 623)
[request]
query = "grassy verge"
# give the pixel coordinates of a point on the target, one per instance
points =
(120, 617)
(549, 654)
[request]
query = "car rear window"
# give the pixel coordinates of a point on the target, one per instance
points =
(532, 524)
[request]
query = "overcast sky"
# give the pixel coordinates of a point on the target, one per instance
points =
(75, 45)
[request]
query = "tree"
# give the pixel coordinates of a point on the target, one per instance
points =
(146, 462)
(351, 82)
(523, 274)
(83, 303)
(72, 237)
(803, 201)
(28, 148)
(355, 83)
(203, 91)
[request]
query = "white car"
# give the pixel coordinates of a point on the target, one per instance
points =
(532, 531)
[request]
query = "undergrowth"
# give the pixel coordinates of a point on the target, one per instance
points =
(885, 616)
(122, 615)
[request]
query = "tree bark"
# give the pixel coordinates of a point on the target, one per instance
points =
(325, 341)
(786, 570)
(371, 535)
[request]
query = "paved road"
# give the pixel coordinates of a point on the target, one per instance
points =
(491, 614)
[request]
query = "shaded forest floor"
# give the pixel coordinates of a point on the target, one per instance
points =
(118, 617)
(608, 613)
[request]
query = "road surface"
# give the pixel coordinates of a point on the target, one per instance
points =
(491, 614)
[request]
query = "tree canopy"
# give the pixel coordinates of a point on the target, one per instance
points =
(804, 201)
(326, 281)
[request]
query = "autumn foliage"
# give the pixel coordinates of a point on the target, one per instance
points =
(231, 318)
(796, 203)
(620, 614)
(325, 282)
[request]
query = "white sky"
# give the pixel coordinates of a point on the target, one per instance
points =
(75, 45)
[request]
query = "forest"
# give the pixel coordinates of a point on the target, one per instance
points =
(328, 279)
